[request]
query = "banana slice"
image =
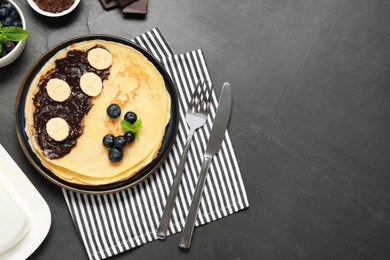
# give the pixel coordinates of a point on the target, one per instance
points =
(57, 128)
(91, 84)
(99, 58)
(58, 90)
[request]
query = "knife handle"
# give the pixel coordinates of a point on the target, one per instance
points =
(167, 212)
(186, 236)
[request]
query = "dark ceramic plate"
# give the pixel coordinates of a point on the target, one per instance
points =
(168, 140)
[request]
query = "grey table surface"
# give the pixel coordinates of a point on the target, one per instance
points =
(310, 122)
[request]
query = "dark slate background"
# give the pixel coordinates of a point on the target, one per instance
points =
(310, 122)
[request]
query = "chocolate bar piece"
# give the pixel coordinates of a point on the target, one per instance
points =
(108, 4)
(137, 7)
(124, 3)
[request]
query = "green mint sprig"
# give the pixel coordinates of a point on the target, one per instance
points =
(12, 34)
(127, 126)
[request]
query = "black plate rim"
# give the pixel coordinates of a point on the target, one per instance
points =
(147, 171)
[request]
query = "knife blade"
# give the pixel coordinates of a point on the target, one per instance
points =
(215, 140)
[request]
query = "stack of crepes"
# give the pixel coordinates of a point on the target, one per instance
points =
(133, 83)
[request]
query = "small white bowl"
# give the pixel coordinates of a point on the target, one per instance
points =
(49, 14)
(15, 53)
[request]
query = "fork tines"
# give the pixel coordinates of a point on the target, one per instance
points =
(200, 101)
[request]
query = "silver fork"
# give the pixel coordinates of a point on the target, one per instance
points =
(195, 117)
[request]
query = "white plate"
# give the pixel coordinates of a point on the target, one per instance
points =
(33, 212)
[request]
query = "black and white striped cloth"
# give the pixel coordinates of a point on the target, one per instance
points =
(113, 223)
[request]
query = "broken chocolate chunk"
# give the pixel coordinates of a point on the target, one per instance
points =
(108, 4)
(137, 7)
(124, 3)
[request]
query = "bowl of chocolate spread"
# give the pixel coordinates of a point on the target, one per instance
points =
(53, 8)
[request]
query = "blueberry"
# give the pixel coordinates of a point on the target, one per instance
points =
(3, 53)
(17, 24)
(115, 154)
(108, 140)
(9, 46)
(130, 136)
(7, 5)
(7, 21)
(14, 15)
(131, 117)
(113, 111)
(120, 141)
(3, 12)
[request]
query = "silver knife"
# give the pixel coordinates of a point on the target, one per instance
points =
(216, 137)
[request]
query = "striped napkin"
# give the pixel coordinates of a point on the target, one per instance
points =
(112, 223)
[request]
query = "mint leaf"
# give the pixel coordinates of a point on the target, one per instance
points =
(13, 33)
(138, 124)
(126, 126)
(3, 38)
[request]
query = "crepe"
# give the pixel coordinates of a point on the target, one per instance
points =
(133, 83)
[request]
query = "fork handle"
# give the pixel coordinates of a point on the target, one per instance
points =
(186, 235)
(164, 222)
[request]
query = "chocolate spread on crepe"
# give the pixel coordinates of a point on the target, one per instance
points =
(69, 69)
